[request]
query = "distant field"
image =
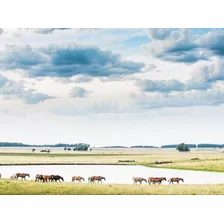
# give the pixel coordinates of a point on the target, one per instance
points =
(9, 187)
(207, 160)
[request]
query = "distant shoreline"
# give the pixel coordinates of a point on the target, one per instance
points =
(60, 164)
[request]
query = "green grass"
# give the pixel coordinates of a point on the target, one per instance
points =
(207, 161)
(10, 187)
(212, 165)
(66, 154)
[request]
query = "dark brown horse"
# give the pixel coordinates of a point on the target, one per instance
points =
(78, 178)
(22, 176)
(56, 178)
(39, 177)
(96, 178)
(175, 179)
(138, 179)
(155, 180)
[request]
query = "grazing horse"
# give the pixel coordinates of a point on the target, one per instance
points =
(96, 178)
(175, 179)
(56, 178)
(155, 180)
(78, 178)
(22, 176)
(138, 179)
(39, 177)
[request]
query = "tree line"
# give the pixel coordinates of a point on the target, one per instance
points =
(16, 144)
(78, 147)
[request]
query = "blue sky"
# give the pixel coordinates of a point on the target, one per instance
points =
(111, 86)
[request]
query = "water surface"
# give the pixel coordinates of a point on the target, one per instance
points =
(115, 174)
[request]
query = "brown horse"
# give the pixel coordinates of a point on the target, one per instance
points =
(155, 180)
(138, 179)
(22, 176)
(96, 178)
(78, 178)
(46, 178)
(56, 178)
(175, 179)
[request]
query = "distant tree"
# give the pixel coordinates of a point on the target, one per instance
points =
(33, 150)
(183, 148)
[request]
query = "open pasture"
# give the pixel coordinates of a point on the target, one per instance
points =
(206, 160)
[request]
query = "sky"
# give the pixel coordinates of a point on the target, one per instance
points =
(111, 86)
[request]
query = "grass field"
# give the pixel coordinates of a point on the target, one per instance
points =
(10, 187)
(208, 161)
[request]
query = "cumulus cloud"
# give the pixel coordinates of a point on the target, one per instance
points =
(159, 33)
(213, 41)
(43, 30)
(185, 45)
(21, 57)
(149, 67)
(78, 92)
(11, 89)
(160, 85)
(175, 46)
(83, 78)
(203, 78)
(3, 80)
(66, 61)
(210, 97)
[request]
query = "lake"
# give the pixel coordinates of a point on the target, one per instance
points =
(115, 174)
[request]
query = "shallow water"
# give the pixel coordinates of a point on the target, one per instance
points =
(115, 174)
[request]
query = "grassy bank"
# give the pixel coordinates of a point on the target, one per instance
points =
(9, 187)
(207, 161)
(212, 165)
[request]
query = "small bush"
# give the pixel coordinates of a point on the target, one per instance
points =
(183, 148)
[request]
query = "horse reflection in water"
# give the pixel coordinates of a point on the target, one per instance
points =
(96, 178)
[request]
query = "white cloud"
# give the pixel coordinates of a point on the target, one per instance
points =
(78, 92)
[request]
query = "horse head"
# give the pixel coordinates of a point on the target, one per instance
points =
(62, 178)
(164, 178)
(182, 179)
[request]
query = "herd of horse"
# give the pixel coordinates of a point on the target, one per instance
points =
(157, 180)
(50, 178)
